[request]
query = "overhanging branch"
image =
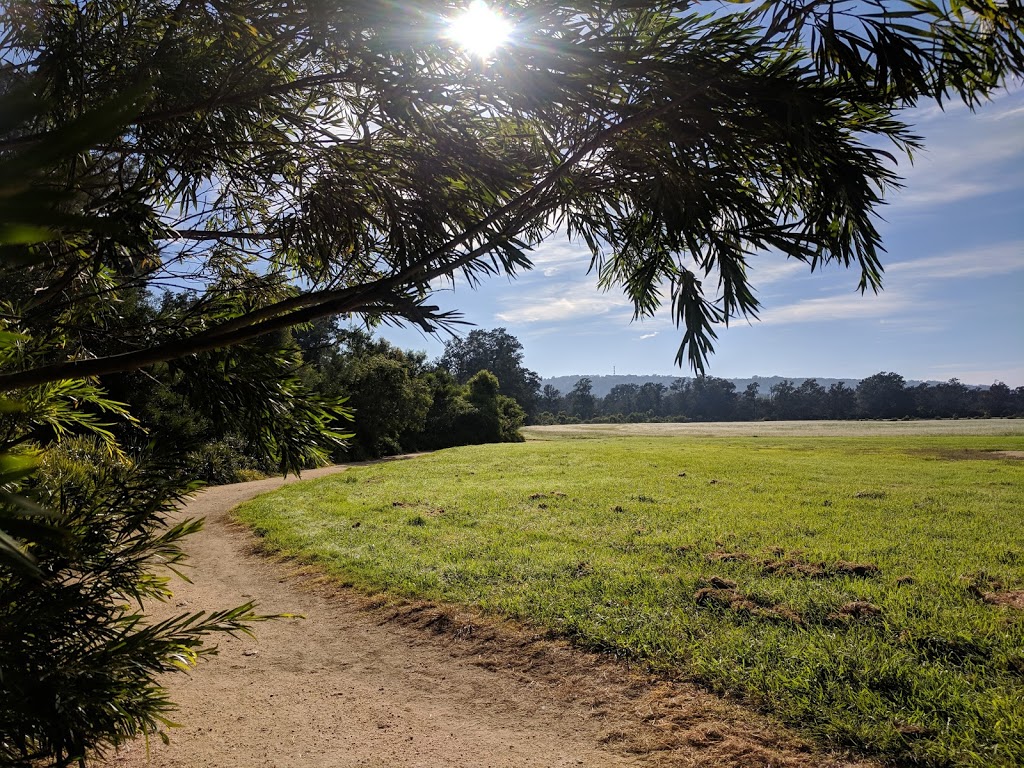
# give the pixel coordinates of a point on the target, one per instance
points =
(382, 294)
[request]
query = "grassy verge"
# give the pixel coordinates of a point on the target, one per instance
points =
(849, 586)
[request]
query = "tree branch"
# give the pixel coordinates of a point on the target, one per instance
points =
(310, 306)
(213, 234)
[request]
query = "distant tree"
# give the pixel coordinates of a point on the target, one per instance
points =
(388, 402)
(810, 400)
(1017, 406)
(749, 407)
(884, 396)
(511, 419)
(483, 388)
(840, 402)
(621, 399)
(550, 399)
(385, 386)
(446, 412)
(953, 398)
(582, 403)
(782, 396)
(321, 338)
(998, 400)
(496, 351)
(678, 397)
(649, 398)
(712, 399)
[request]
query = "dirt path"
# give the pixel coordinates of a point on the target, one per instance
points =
(359, 683)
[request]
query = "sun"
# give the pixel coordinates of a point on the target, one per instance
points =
(479, 29)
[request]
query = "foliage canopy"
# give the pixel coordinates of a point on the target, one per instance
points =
(290, 162)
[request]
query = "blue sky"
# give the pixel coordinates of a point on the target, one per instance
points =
(953, 303)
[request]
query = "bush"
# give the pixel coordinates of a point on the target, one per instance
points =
(225, 461)
(78, 659)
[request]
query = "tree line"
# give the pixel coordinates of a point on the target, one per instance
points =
(885, 395)
(524, 400)
(480, 391)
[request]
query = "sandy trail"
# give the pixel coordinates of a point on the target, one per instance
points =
(358, 683)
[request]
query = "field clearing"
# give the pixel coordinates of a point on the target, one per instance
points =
(864, 589)
(920, 427)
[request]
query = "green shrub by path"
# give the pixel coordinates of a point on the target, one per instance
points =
(843, 584)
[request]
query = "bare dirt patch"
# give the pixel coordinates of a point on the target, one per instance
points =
(1013, 599)
(970, 454)
(365, 681)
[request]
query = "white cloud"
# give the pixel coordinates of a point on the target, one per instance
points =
(579, 300)
(840, 307)
(649, 335)
(951, 169)
(946, 192)
(999, 259)
(556, 252)
(1004, 102)
(901, 304)
(1006, 113)
(765, 272)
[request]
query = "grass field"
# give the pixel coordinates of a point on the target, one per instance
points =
(851, 586)
(911, 427)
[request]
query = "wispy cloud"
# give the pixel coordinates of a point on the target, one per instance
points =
(555, 253)
(952, 192)
(1015, 112)
(998, 259)
(951, 169)
(576, 301)
(902, 303)
(765, 272)
(840, 307)
(649, 335)
(1002, 103)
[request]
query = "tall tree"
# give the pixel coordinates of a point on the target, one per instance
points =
(496, 351)
(712, 399)
(811, 400)
(749, 406)
(998, 400)
(582, 403)
(783, 399)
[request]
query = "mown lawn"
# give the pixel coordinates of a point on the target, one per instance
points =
(849, 586)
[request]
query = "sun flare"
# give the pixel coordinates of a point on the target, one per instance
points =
(480, 29)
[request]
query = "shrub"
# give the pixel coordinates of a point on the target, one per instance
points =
(225, 461)
(78, 658)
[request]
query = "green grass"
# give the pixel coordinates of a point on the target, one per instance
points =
(615, 542)
(868, 428)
